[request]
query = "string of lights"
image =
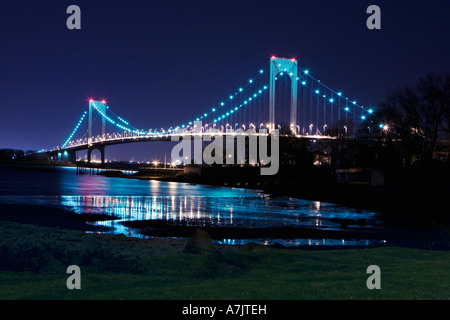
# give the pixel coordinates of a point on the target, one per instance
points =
(75, 129)
(334, 94)
(235, 102)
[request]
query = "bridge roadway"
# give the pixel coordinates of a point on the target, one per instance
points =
(101, 143)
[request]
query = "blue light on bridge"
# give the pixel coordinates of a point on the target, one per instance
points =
(124, 125)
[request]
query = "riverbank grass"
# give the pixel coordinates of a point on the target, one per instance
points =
(114, 267)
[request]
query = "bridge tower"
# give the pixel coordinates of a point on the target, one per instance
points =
(99, 105)
(289, 66)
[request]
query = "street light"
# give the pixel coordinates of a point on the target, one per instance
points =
(310, 128)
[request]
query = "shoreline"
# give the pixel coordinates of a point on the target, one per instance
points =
(392, 207)
(395, 200)
(408, 205)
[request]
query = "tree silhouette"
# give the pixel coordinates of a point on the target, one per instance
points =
(418, 115)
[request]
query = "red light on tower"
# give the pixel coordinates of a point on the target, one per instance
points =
(273, 57)
(293, 59)
(91, 100)
(104, 101)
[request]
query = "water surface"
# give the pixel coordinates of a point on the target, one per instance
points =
(187, 204)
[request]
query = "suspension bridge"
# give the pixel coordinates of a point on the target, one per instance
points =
(288, 98)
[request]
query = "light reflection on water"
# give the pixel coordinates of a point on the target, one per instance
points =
(192, 205)
(254, 211)
(305, 242)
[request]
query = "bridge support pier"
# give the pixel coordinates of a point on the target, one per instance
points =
(99, 148)
(72, 156)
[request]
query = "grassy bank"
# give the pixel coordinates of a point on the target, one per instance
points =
(34, 260)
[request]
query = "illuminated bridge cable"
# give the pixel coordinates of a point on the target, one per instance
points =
(119, 125)
(336, 95)
(75, 129)
(229, 107)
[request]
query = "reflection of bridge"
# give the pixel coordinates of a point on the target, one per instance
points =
(324, 113)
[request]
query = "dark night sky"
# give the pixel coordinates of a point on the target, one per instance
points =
(159, 63)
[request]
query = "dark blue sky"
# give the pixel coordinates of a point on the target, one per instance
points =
(159, 63)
